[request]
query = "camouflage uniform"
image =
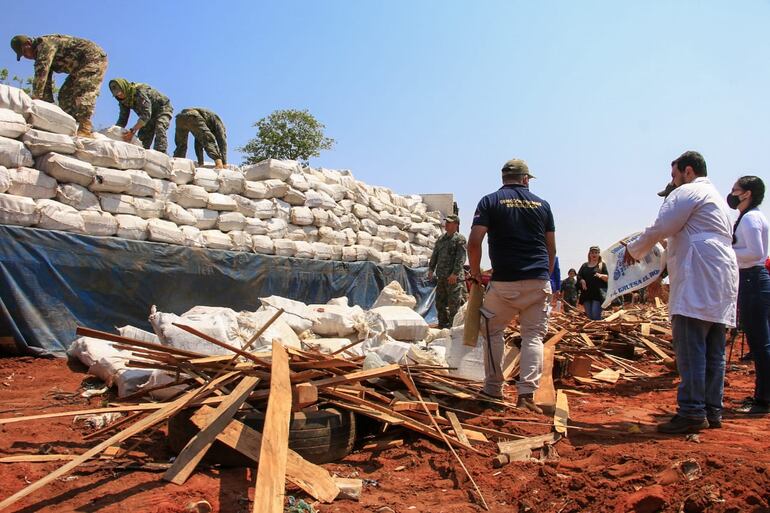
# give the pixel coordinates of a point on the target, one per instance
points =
(448, 258)
(83, 60)
(154, 110)
(208, 130)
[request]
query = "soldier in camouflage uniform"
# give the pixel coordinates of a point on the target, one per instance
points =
(209, 133)
(83, 60)
(153, 108)
(447, 263)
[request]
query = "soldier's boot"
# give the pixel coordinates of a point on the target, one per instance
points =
(218, 164)
(86, 129)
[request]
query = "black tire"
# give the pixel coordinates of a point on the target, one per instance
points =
(319, 436)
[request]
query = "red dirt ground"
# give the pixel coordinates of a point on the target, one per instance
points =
(613, 461)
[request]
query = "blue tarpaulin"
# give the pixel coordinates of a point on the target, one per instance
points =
(51, 282)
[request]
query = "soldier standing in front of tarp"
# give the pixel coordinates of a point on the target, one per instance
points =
(153, 108)
(446, 263)
(209, 133)
(85, 63)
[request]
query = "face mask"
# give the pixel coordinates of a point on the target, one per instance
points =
(733, 201)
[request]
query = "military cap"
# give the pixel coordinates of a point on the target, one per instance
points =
(17, 42)
(516, 167)
(452, 218)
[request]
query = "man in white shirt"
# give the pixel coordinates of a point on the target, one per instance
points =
(704, 288)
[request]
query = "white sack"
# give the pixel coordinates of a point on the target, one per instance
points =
(218, 323)
(99, 223)
(157, 164)
(15, 99)
(297, 314)
(117, 203)
(12, 124)
(110, 180)
(205, 219)
(402, 323)
(116, 132)
(192, 196)
(165, 190)
(5, 179)
(18, 210)
(626, 279)
(67, 169)
(303, 249)
(240, 240)
(277, 228)
(149, 208)
(14, 154)
(31, 183)
(141, 184)
(215, 239)
(58, 216)
(207, 178)
(77, 197)
(131, 227)
(284, 248)
(109, 153)
(221, 202)
(39, 143)
(182, 170)
(301, 216)
(338, 320)
(164, 231)
(231, 181)
(270, 168)
(394, 295)
(178, 215)
(193, 237)
(231, 221)
(262, 244)
(250, 322)
(51, 118)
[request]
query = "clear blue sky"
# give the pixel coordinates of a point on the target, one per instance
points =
(433, 96)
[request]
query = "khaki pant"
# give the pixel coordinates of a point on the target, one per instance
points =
(503, 301)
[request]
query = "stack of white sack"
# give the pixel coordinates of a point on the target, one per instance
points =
(275, 207)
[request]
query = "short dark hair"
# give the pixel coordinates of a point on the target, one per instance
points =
(572, 270)
(693, 159)
(756, 186)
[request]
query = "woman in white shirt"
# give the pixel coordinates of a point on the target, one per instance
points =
(750, 242)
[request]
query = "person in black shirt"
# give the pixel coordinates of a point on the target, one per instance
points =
(593, 284)
(522, 249)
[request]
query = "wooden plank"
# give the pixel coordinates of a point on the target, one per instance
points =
(413, 406)
(658, 302)
(369, 412)
(546, 393)
(533, 442)
(381, 445)
(196, 448)
(561, 415)
(147, 422)
(607, 375)
(459, 431)
(614, 316)
(270, 487)
(315, 480)
(361, 375)
(587, 340)
(223, 345)
(88, 332)
(645, 327)
(655, 349)
(661, 329)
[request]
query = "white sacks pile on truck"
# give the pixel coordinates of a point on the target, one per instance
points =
(390, 332)
(106, 187)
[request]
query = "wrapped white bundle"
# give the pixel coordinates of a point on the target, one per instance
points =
(164, 231)
(182, 170)
(15, 99)
(179, 215)
(282, 209)
(77, 196)
(271, 169)
(165, 190)
(18, 210)
(31, 183)
(294, 197)
(12, 124)
(193, 237)
(364, 239)
(241, 241)
(141, 184)
(39, 143)
(5, 179)
(301, 216)
(14, 154)
(231, 221)
(205, 219)
(284, 248)
(158, 165)
(131, 227)
(207, 178)
(117, 203)
(192, 196)
(263, 209)
(109, 153)
(110, 180)
(221, 202)
(215, 239)
(298, 182)
(99, 223)
(254, 226)
(116, 133)
(149, 208)
(67, 169)
(277, 228)
(231, 181)
(58, 216)
(51, 118)
(262, 244)
(303, 250)
(319, 199)
(266, 189)
(320, 216)
(322, 251)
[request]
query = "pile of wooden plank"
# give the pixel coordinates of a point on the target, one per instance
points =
(402, 397)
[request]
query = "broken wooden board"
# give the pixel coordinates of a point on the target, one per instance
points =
(361, 375)
(196, 448)
(533, 442)
(546, 393)
(270, 488)
(561, 414)
(459, 431)
(655, 349)
(315, 480)
(607, 375)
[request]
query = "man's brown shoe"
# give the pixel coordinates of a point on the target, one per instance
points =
(527, 401)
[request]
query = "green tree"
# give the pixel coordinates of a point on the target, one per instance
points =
(287, 134)
(24, 84)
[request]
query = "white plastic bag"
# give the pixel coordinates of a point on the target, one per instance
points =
(51, 118)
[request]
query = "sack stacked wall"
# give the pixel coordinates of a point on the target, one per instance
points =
(106, 187)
